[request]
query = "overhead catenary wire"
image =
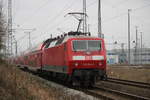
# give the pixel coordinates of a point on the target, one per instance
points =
(66, 7)
(35, 12)
(52, 28)
(122, 14)
(119, 3)
(54, 18)
(139, 8)
(105, 20)
(109, 19)
(92, 3)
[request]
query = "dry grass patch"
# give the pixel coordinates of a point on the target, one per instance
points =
(18, 85)
(141, 74)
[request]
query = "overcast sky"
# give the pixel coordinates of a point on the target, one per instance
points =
(47, 17)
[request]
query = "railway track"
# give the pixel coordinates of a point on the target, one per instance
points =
(106, 93)
(131, 83)
(118, 89)
(111, 94)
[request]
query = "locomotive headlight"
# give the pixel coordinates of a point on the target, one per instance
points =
(76, 64)
(98, 57)
(100, 64)
(78, 58)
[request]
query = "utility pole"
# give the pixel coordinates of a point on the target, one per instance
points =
(11, 46)
(99, 19)
(16, 46)
(9, 26)
(51, 36)
(84, 17)
(129, 36)
(141, 47)
(29, 38)
(88, 28)
(1, 6)
(29, 33)
(123, 53)
(136, 46)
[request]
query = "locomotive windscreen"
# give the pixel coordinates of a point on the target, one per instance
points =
(86, 45)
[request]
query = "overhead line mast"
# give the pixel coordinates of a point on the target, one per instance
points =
(84, 17)
(9, 48)
(129, 10)
(99, 19)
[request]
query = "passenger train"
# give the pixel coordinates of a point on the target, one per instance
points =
(76, 57)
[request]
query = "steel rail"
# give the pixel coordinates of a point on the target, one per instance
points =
(97, 95)
(128, 82)
(95, 92)
(122, 94)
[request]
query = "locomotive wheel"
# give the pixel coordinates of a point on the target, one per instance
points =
(75, 81)
(104, 77)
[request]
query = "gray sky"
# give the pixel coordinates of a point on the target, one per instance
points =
(47, 16)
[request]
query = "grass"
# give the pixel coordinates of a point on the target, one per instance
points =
(10, 86)
(18, 85)
(141, 74)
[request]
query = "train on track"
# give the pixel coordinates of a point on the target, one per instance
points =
(75, 57)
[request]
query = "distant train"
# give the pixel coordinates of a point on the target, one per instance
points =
(75, 57)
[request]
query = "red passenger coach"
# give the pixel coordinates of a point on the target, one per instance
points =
(75, 57)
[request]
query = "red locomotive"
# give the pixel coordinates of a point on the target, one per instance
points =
(75, 57)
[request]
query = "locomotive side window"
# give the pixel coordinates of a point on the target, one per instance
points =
(52, 44)
(84, 45)
(47, 45)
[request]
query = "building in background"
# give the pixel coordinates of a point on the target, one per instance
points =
(120, 56)
(112, 58)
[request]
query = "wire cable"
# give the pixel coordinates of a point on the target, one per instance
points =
(142, 7)
(91, 4)
(58, 14)
(36, 11)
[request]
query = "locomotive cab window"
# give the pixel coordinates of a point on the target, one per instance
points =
(79, 45)
(94, 45)
(86, 45)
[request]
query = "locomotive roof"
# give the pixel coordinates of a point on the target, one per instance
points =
(61, 39)
(69, 37)
(64, 39)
